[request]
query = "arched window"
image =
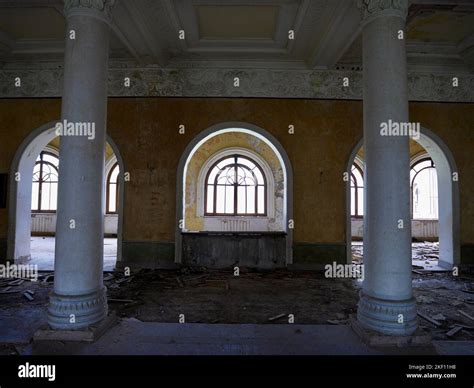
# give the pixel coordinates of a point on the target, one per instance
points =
(45, 183)
(357, 191)
(424, 189)
(235, 186)
(112, 195)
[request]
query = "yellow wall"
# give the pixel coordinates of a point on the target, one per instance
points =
(146, 133)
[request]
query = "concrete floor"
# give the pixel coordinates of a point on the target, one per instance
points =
(42, 253)
(133, 337)
(152, 338)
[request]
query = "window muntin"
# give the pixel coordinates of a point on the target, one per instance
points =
(235, 186)
(112, 191)
(44, 196)
(357, 191)
(424, 190)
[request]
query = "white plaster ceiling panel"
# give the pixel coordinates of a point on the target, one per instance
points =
(237, 22)
(253, 28)
(243, 33)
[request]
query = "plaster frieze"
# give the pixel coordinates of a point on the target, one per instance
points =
(271, 83)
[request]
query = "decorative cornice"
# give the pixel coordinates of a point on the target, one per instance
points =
(306, 84)
(375, 8)
(101, 7)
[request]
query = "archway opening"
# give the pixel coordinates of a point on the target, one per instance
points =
(33, 190)
(234, 186)
(434, 204)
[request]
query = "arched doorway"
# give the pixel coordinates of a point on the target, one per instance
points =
(21, 191)
(262, 136)
(448, 198)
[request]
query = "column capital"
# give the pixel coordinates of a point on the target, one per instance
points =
(372, 9)
(98, 8)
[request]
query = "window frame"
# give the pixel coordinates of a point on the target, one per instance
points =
(356, 192)
(414, 163)
(235, 213)
(107, 190)
(40, 182)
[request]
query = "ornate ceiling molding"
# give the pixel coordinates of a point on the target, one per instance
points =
(263, 83)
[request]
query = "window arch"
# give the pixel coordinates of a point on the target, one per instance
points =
(357, 191)
(424, 189)
(44, 196)
(235, 186)
(112, 195)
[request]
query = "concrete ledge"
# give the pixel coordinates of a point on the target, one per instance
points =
(372, 338)
(91, 334)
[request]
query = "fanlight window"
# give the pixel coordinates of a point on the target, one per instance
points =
(357, 191)
(112, 189)
(424, 190)
(45, 183)
(235, 186)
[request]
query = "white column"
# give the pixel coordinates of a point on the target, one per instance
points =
(79, 297)
(386, 304)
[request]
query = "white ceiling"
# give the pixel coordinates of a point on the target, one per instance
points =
(243, 34)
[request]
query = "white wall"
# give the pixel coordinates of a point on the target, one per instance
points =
(420, 229)
(45, 223)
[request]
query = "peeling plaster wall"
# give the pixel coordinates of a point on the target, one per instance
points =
(145, 131)
(194, 222)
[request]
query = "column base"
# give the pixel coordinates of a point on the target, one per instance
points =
(90, 334)
(75, 312)
(387, 316)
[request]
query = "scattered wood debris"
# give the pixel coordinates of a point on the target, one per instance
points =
(429, 319)
(28, 296)
(9, 292)
(16, 282)
(124, 279)
(439, 317)
(108, 277)
(48, 278)
(468, 288)
(454, 331)
(114, 300)
(424, 299)
(276, 317)
(463, 313)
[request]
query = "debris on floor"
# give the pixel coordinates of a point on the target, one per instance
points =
(425, 256)
(257, 296)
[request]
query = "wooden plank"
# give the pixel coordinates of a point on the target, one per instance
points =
(276, 317)
(429, 319)
(466, 315)
(453, 331)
